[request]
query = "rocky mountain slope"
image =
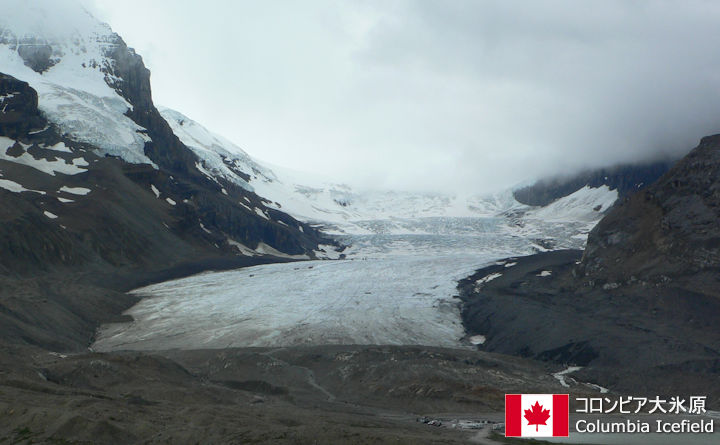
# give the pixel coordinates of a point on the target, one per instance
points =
(639, 308)
(97, 194)
(667, 235)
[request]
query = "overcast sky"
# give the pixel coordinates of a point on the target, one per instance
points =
(428, 95)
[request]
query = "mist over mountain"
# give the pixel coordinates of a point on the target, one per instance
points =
(417, 96)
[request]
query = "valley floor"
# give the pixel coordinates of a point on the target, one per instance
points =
(329, 394)
(195, 376)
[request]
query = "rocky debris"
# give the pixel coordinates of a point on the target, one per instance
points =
(429, 421)
(175, 397)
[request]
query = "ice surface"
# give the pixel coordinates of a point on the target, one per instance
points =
(397, 286)
(394, 289)
(384, 301)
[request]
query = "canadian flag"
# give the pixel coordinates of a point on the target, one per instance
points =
(537, 415)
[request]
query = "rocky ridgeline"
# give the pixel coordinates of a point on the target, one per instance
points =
(638, 309)
(666, 235)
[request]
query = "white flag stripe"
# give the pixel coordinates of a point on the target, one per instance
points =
(528, 400)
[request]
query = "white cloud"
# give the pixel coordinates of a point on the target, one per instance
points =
(420, 93)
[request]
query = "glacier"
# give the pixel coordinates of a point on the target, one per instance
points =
(393, 288)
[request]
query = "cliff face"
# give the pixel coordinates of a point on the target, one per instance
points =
(127, 74)
(666, 235)
(639, 309)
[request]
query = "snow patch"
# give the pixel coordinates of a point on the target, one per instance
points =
(477, 339)
(155, 191)
(261, 213)
(170, 201)
(15, 187)
(82, 191)
(44, 165)
(578, 206)
(60, 146)
(265, 249)
(242, 248)
(50, 215)
(488, 278)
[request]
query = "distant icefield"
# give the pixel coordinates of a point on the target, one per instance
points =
(393, 289)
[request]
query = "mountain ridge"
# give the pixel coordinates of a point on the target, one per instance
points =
(98, 194)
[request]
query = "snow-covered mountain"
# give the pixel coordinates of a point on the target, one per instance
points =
(71, 60)
(89, 101)
(91, 173)
(338, 208)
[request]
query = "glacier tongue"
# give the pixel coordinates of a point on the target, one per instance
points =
(386, 301)
(393, 289)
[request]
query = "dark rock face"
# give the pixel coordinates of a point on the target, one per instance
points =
(667, 235)
(626, 179)
(131, 79)
(640, 309)
(36, 55)
(61, 275)
(19, 105)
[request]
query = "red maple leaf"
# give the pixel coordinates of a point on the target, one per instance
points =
(536, 415)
